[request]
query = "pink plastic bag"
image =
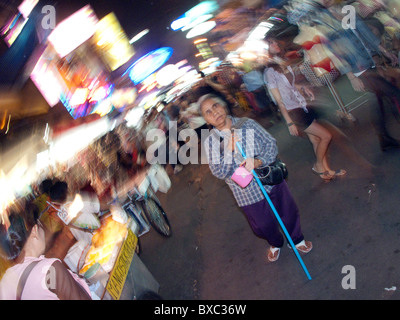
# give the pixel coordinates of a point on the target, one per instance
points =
(242, 177)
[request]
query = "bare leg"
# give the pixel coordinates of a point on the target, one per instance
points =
(320, 139)
(315, 142)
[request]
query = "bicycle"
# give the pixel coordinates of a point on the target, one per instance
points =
(153, 211)
(142, 199)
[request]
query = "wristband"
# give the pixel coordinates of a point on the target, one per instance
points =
(290, 124)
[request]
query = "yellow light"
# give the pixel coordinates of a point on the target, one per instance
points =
(200, 40)
(112, 42)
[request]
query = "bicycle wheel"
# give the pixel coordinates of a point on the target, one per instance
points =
(157, 217)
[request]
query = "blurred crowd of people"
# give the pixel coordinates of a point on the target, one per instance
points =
(364, 48)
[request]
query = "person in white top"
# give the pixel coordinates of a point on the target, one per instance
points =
(32, 276)
(293, 106)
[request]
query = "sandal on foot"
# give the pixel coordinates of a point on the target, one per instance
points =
(273, 253)
(323, 175)
(340, 173)
(303, 246)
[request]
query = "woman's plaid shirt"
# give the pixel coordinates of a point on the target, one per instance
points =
(255, 141)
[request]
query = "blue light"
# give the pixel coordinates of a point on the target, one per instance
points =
(179, 23)
(148, 64)
(203, 8)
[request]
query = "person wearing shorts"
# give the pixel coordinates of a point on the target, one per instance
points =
(292, 103)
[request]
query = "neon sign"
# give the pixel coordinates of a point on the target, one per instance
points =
(148, 64)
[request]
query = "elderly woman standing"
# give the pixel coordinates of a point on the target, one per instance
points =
(261, 150)
(34, 277)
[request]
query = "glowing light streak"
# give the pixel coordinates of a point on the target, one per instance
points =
(202, 9)
(139, 35)
(73, 31)
(180, 23)
(148, 64)
(197, 21)
(27, 6)
(201, 29)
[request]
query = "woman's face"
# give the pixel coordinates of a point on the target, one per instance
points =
(214, 113)
(274, 47)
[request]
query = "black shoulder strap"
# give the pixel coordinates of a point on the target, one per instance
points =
(24, 277)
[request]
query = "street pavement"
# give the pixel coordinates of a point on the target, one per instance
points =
(353, 222)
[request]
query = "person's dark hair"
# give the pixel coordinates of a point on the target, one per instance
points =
(14, 238)
(59, 191)
(46, 185)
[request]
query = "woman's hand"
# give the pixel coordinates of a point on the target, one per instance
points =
(251, 163)
(356, 83)
(293, 129)
(308, 93)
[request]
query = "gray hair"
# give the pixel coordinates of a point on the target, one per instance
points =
(209, 96)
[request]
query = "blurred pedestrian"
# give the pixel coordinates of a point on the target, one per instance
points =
(293, 106)
(254, 82)
(354, 47)
(58, 236)
(34, 277)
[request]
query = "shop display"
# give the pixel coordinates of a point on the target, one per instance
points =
(105, 245)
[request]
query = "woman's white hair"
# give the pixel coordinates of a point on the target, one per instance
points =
(209, 96)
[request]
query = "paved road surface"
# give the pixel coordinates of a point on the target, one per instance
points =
(352, 221)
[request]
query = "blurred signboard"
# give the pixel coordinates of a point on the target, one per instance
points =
(111, 42)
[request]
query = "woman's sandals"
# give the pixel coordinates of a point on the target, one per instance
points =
(328, 176)
(323, 175)
(274, 252)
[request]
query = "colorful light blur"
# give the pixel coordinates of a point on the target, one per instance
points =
(66, 145)
(259, 32)
(139, 36)
(197, 21)
(148, 64)
(27, 6)
(204, 9)
(112, 43)
(13, 28)
(123, 97)
(73, 31)
(179, 23)
(149, 83)
(167, 75)
(79, 97)
(45, 77)
(200, 29)
(103, 107)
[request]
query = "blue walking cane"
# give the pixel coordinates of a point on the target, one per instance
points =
(277, 216)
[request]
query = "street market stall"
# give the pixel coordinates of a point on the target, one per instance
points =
(101, 243)
(106, 240)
